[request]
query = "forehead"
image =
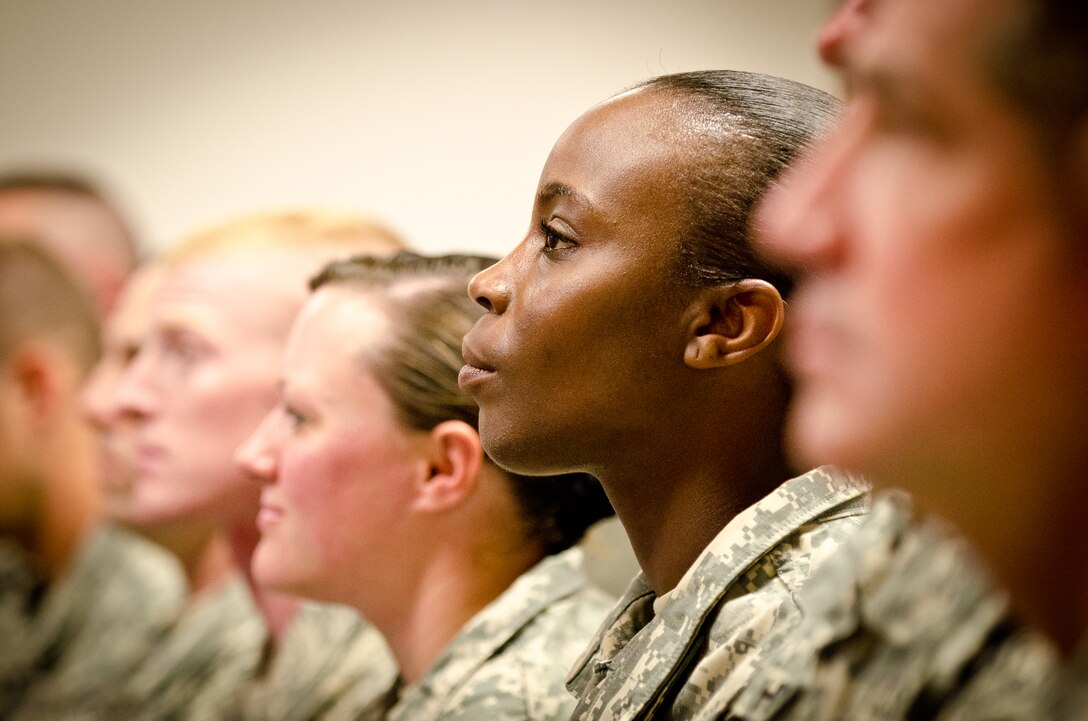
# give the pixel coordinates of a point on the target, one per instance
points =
(336, 325)
(131, 316)
(235, 294)
(622, 148)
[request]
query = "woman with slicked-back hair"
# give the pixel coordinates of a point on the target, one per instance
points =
(378, 495)
(633, 335)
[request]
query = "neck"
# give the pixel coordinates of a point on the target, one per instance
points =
(676, 486)
(205, 555)
(452, 588)
(1024, 556)
(1023, 513)
(277, 609)
(70, 504)
(671, 513)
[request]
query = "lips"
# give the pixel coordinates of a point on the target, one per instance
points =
(476, 370)
(269, 515)
(148, 458)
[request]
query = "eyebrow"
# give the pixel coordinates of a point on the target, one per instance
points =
(554, 190)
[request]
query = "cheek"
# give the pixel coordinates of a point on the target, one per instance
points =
(220, 407)
(345, 495)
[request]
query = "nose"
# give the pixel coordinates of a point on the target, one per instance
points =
(134, 393)
(801, 220)
(491, 288)
(840, 29)
(258, 456)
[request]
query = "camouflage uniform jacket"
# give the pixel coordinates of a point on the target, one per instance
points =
(509, 660)
(331, 665)
(1073, 702)
(199, 669)
(67, 647)
(663, 657)
(902, 624)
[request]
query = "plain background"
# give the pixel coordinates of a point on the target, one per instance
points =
(434, 116)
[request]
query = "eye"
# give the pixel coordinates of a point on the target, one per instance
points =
(294, 417)
(185, 348)
(555, 241)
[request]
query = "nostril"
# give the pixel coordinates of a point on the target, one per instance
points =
(483, 301)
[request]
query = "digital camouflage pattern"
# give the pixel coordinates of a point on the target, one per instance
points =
(67, 647)
(200, 668)
(902, 624)
(331, 664)
(508, 663)
(665, 657)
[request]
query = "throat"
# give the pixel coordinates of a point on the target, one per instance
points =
(671, 522)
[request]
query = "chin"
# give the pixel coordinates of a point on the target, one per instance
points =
(270, 570)
(525, 459)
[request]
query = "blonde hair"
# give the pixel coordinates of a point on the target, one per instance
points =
(292, 229)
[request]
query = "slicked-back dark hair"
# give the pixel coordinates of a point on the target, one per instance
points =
(40, 300)
(746, 128)
(430, 311)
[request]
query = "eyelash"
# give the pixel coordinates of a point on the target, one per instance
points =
(552, 239)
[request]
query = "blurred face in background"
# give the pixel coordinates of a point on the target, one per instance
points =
(337, 466)
(79, 231)
(123, 334)
(203, 381)
(938, 338)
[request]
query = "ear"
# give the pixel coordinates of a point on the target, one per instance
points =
(40, 383)
(732, 323)
(454, 456)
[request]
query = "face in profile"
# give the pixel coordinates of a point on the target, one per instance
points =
(932, 334)
(336, 464)
(583, 338)
(123, 334)
(202, 382)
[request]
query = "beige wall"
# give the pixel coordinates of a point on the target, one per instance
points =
(435, 115)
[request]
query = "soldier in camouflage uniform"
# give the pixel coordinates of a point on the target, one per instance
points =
(214, 646)
(379, 497)
(944, 225)
(79, 605)
(201, 380)
(633, 333)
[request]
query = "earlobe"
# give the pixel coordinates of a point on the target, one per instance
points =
(734, 323)
(453, 467)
